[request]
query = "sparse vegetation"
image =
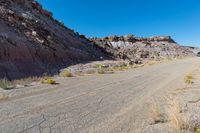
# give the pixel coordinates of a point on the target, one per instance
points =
(91, 71)
(101, 71)
(65, 73)
(156, 114)
(173, 114)
(99, 66)
(179, 121)
(28, 80)
(189, 79)
(6, 85)
(51, 81)
(121, 68)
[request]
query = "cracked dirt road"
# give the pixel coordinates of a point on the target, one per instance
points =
(98, 103)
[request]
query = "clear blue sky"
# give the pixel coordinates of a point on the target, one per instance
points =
(177, 18)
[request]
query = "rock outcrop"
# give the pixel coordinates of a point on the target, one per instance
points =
(137, 49)
(33, 43)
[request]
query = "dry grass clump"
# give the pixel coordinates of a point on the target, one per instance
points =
(48, 80)
(5, 84)
(120, 68)
(196, 130)
(189, 79)
(173, 114)
(65, 73)
(51, 82)
(101, 71)
(150, 63)
(156, 114)
(99, 66)
(27, 80)
(179, 121)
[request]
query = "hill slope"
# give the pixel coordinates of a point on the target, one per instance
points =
(32, 42)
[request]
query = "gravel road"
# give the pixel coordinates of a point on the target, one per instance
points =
(98, 103)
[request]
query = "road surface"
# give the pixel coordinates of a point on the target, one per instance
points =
(109, 103)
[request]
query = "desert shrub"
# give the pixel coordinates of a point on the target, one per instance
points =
(188, 79)
(51, 81)
(65, 73)
(4, 84)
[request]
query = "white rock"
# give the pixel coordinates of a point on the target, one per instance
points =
(34, 33)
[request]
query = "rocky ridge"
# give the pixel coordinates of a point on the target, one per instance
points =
(138, 49)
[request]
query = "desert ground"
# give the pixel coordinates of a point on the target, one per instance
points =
(120, 102)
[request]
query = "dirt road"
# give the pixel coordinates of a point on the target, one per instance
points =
(99, 103)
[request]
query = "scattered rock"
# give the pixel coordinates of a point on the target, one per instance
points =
(138, 49)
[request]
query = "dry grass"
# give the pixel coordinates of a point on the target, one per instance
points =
(189, 79)
(197, 130)
(65, 73)
(99, 66)
(5, 84)
(101, 71)
(155, 113)
(173, 114)
(91, 71)
(150, 63)
(51, 82)
(120, 68)
(178, 120)
(28, 80)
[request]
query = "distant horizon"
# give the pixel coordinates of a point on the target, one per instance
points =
(140, 18)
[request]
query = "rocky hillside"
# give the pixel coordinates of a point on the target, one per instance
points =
(32, 42)
(137, 49)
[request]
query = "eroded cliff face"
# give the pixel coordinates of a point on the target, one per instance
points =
(137, 49)
(33, 43)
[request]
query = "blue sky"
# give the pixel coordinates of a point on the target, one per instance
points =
(177, 18)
